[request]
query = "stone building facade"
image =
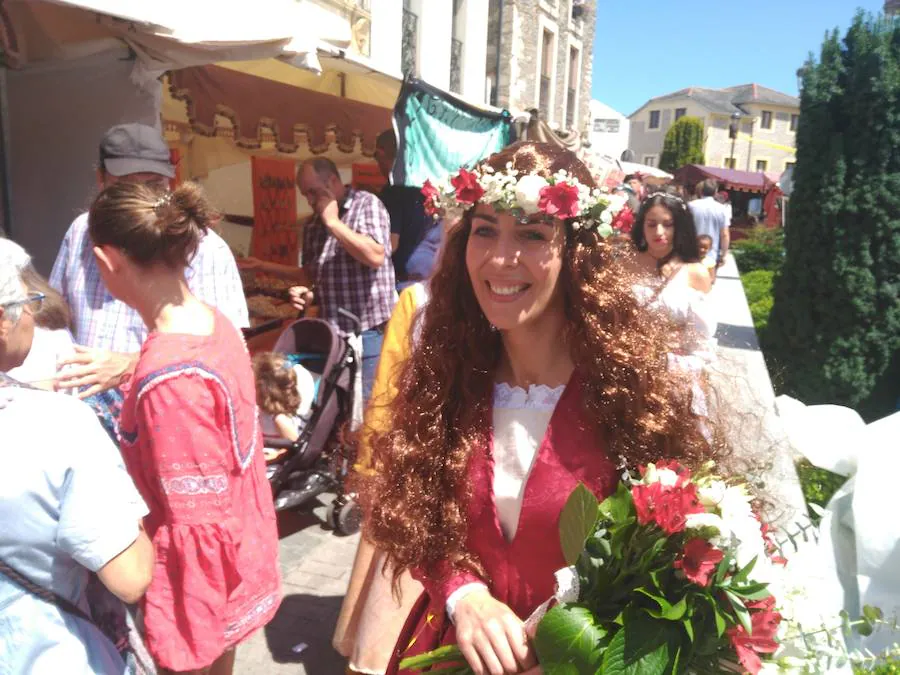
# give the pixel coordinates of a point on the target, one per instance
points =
(767, 126)
(545, 50)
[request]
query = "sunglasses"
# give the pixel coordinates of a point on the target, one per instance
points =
(33, 302)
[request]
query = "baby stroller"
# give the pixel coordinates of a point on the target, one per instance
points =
(317, 461)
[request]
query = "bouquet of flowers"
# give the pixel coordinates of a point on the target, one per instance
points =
(671, 574)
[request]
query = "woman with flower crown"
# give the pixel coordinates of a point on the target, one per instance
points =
(536, 368)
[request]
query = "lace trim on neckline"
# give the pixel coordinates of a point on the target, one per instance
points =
(537, 397)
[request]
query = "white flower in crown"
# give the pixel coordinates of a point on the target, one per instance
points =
(528, 192)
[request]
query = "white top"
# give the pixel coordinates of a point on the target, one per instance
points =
(520, 423)
(520, 420)
(47, 348)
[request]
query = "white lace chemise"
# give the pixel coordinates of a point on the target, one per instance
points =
(520, 420)
(692, 310)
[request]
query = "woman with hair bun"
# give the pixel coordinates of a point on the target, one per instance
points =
(536, 368)
(189, 435)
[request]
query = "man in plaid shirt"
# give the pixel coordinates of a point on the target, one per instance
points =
(108, 332)
(347, 255)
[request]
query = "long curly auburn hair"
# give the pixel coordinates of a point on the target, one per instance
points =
(416, 499)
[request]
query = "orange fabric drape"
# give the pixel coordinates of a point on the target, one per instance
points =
(275, 234)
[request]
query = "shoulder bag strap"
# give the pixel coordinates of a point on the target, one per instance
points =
(43, 593)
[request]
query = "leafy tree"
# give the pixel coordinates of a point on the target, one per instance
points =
(834, 330)
(683, 144)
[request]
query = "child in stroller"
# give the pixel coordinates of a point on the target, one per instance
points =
(285, 391)
(305, 455)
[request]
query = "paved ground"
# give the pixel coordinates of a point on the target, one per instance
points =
(315, 564)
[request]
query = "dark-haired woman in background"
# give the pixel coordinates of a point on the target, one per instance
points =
(672, 280)
(535, 369)
(190, 436)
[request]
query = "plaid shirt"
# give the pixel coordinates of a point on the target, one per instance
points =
(102, 322)
(340, 280)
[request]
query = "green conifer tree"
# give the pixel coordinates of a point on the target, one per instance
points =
(683, 144)
(835, 325)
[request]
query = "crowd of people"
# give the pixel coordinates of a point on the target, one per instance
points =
(524, 353)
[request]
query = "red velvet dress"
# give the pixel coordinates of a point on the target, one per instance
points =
(518, 573)
(192, 444)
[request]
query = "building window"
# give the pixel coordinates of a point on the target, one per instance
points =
(795, 120)
(654, 119)
(730, 163)
(650, 160)
(409, 40)
(546, 74)
(789, 165)
(679, 113)
(602, 126)
(766, 119)
(572, 93)
(762, 165)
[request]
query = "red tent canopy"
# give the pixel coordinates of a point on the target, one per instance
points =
(729, 179)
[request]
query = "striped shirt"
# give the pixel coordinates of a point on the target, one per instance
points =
(102, 322)
(341, 281)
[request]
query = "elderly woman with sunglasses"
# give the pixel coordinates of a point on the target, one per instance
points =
(67, 508)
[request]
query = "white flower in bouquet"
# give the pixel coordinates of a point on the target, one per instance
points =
(697, 521)
(528, 192)
(712, 493)
(666, 477)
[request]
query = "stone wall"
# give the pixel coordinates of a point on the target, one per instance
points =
(523, 24)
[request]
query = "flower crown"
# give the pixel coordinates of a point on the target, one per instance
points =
(524, 194)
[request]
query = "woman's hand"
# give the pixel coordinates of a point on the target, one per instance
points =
(492, 637)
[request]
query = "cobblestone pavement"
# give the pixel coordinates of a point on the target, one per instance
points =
(315, 567)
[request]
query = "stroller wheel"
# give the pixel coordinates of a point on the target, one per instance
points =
(344, 515)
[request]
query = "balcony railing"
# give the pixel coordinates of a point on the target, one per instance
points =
(409, 42)
(570, 109)
(544, 98)
(456, 58)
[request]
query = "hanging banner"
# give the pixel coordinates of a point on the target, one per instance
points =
(275, 236)
(367, 176)
(438, 133)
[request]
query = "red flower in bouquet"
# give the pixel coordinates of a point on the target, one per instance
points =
(430, 192)
(764, 621)
(560, 200)
(699, 561)
(668, 507)
(623, 221)
(467, 187)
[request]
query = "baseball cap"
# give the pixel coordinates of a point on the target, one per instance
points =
(135, 148)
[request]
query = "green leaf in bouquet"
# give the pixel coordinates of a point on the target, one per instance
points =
(667, 610)
(577, 521)
(755, 591)
(598, 544)
(688, 624)
(644, 646)
(722, 569)
(872, 614)
(744, 574)
(740, 611)
(618, 507)
(569, 641)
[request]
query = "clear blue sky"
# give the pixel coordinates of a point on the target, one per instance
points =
(654, 47)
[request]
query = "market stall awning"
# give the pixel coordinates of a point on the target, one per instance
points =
(729, 179)
(256, 107)
(164, 34)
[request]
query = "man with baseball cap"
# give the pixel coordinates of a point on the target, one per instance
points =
(108, 332)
